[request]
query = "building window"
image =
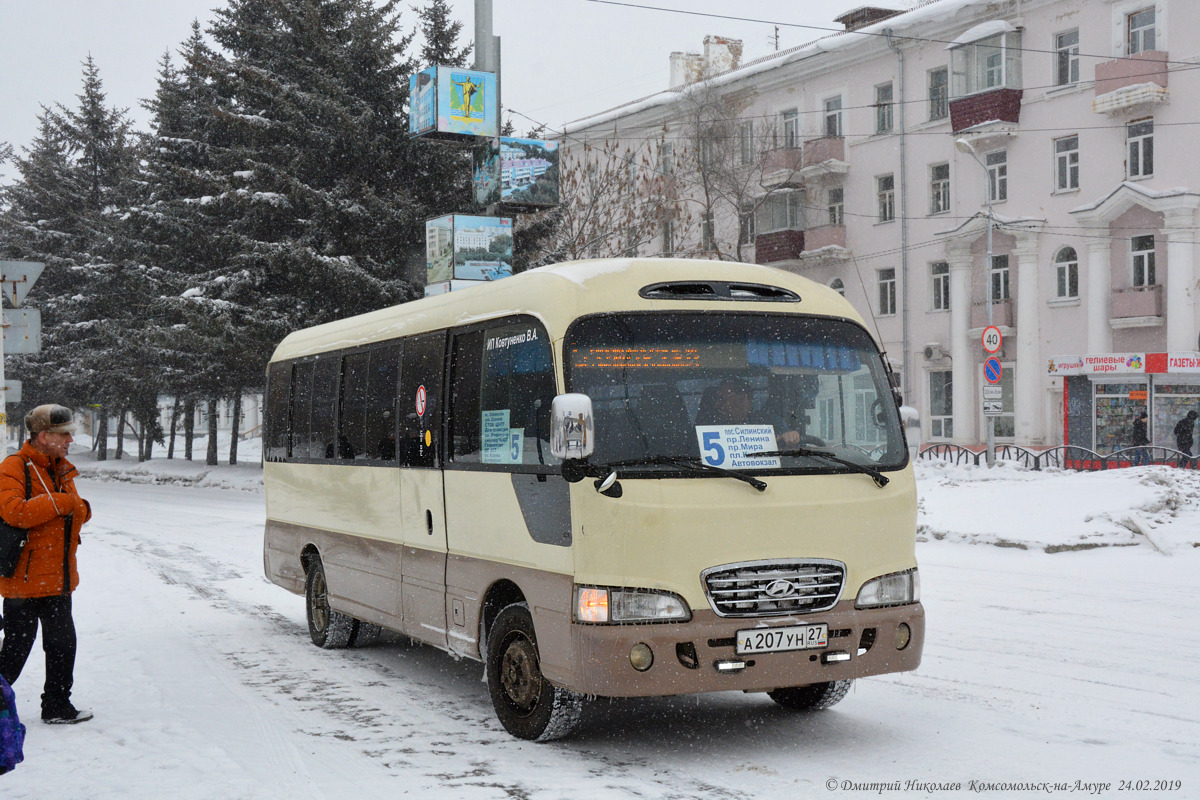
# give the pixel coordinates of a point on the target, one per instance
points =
(746, 142)
(1140, 138)
(883, 108)
(1066, 266)
(1143, 260)
(781, 211)
(997, 168)
(1066, 69)
(790, 123)
(833, 116)
(986, 64)
(666, 158)
(746, 225)
(939, 188)
(939, 93)
(837, 214)
(838, 286)
(885, 188)
(941, 406)
(940, 272)
(1140, 25)
(1066, 163)
(999, 282)
(887, 291)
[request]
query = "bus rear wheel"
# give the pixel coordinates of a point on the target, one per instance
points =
(814, 697)
(329, 629)
(527, 705)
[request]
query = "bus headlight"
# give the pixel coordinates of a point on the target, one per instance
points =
(599, 604)
(897, 589)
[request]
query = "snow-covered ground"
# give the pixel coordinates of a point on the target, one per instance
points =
(1062, 646)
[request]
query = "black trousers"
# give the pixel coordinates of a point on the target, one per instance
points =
(21, 618)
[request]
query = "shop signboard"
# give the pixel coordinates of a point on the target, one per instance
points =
(452, 102)
(1183, 362)
(471, 248)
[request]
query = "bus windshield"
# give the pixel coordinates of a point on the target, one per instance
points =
(719, 387)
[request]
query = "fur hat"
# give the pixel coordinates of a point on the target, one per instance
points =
(51, 418)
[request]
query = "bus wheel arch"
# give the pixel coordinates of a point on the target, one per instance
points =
(499, 595)
(328, 629)
(527, 705)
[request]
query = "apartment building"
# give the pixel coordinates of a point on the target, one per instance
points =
(1027, 164)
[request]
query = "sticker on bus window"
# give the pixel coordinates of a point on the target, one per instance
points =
(501, 444)
(729, 446)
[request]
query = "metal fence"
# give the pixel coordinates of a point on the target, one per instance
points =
(1063, 456)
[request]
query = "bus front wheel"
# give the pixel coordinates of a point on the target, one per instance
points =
(527, 705)
(813, 697)
(328, 628)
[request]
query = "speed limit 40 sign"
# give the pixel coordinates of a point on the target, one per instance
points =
(992, 339)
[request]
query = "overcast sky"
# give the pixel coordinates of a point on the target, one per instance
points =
(561, 59)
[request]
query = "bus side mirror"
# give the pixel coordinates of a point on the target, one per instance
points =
(572, 429)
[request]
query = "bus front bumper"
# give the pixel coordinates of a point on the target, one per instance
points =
(700, 655)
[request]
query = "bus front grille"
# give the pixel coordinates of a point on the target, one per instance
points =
(773, 588)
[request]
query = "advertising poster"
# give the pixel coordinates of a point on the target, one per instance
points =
(459, 247)
(529, 172)
(485, 179)
(452, 101)
(439, 249)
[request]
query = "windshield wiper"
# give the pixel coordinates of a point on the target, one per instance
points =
(686, 462)
(880, 479)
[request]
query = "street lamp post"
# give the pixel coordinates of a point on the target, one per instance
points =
(963, 146)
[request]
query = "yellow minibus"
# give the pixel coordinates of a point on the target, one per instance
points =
(611, 478)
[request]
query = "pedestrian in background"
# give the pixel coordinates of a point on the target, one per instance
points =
(37, 492)
(1183, 436)
(1140, 439)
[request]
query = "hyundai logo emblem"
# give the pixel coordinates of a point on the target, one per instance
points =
(780, 589)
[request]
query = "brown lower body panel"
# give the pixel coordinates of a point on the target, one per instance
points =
(603, 667)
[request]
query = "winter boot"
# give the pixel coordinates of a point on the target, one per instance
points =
(64, 714)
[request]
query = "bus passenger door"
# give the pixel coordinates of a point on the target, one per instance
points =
(422, 504)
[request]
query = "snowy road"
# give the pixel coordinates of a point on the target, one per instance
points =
(1077, 666)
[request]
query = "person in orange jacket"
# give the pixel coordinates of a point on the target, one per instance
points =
(40, 589)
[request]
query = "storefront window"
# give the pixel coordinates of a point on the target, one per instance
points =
(1171, 404)
(1117, 406)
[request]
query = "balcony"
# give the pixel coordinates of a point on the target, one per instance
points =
(824, 156)
(825, 236)
(781, 167)
(996, 105)
(1137, 307)
(1128, 82)
(1002, 314)
(776, 246)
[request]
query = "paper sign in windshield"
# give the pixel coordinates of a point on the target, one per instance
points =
(501, 444)
(729, 446)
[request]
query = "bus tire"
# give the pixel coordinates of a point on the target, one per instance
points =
(366, 634)
(329, 629)
(814, 697)
(527, 705)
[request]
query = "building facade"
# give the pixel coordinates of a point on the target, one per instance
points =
(1025, 164)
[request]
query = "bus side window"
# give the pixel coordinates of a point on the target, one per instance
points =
(351, 443)
(302, 385)
(420, 399)
(382, 400)
(466, 364)
(503, 383)
(323, 431)
(278, 396)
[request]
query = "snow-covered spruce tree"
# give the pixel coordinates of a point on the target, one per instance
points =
(64, 210)
(168, 227)
(320, 195)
